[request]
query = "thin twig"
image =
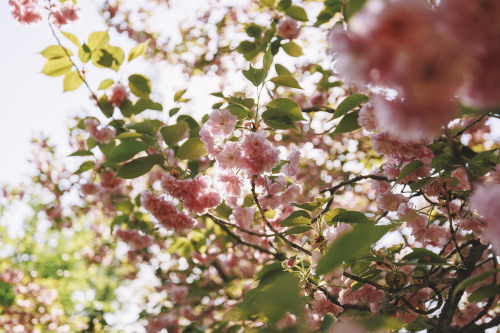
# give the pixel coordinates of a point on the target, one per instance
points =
(370, 282)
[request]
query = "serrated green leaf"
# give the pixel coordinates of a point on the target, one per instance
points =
(137, 50)
(56, 52)
(421, 183)
(349, 103)
(286, 81)
(106, 84)
(173, 133)
(296, 218)
(420, 254)
(126, 150)
(409, 169)
(57, 67)
(72, 81)
(192, 149)
(72, 38)
(348, 123)
(108, 57)
(255, 75)
(289, 105)
(149, 127)
(129, 135)
(297, 13)
(311, 206)
(139, 166)
(282, 70)
(139, 85)
(350, 245)
(292, 49)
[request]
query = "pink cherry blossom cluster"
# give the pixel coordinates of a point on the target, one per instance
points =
(427, 56)
(166, 213)
(196, 194)
(118, 94)
(102, 134)
(485, 201)
(288, 28)
(25, 11)
(135, 239)
(64, 14)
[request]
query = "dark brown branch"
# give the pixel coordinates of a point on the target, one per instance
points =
(426, 312)
(266, 221)
(213, 217)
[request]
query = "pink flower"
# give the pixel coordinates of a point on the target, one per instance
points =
(321, 305)
(25, 11)
(134, 238)
(209, 142)
(288, 28)
(118, 94)
(367, 118)
(243, 217)
(290, 168)
(232, 183)
(390, 201)
(485, 201)
(65, 14)
(195, 193)
(290, 194)
(166, 213)
(231, 156)
(104, 134)
(333, 233)
(259, 154)
(221, 122)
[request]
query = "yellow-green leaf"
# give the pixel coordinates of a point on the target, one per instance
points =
(106, 84)
(137, 50)
(72, 81)
(72, 38)
(139, 85)
(84, 53)
(191, 149)
(56, 52)
(178, 95)
(57, 67)
(286, 81)
(292, 49)
(98, 40)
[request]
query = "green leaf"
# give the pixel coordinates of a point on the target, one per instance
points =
(57, 67)
(350, 245)
(173, 112)
(328, 322)
(350, 217)
(139, 166)
(286, 81)
(105, 106)
(298, 230)
(297, 13)
(470, 281)
(298, 217)
(139, 85)
(284, 5)
(173, 133)
(255, 75)
(126, 150)
(137, 50)
(348, 123)
(238, 110)
(192, 149)
(268, 3)
(277, 293)
(311, 206)
(420, 254)
(72, 81)
(349, 103)
(128, 135)
(282, 70)
(82, 153)
(108, 57)
(84, 53)
(149, 127)
(178, 95)
(56, 52)
(351, 7)
(72, 38)
(106, 84)
(292, 49)
(267, 61)
(409, 169)
(484, 292)
(98, 40)
(85, 166)
(288, 105)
